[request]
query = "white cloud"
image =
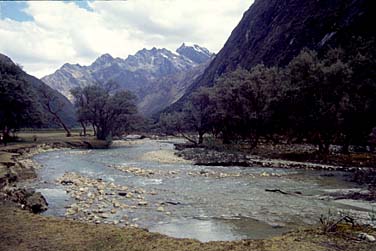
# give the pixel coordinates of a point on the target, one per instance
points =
(63, 32)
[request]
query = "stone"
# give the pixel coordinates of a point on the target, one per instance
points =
(104, 215)
(31, 200)
(367, 237)
(70, 211)
(203, 172)
(160, 209)
(142, 203)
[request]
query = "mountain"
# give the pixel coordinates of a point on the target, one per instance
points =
(195, 53)
(37, 89)
(162, 92)
(272, 32)
(141, 73)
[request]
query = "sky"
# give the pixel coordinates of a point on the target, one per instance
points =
(43, 35)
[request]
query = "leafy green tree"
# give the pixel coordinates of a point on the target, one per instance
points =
(312, 98)
(324, 99)
(358, 106)
(111, 112)
(242, 101)
(197, 113)
(18, 106)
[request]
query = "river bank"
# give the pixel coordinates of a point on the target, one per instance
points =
(303, 156)
(16, 165)
(23, 231)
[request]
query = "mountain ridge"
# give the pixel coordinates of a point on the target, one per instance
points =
(145, 67)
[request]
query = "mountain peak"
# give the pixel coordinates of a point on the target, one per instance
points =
(194, 52)
(67, 66)
(5, 59)
(104, 60)
(105, 57)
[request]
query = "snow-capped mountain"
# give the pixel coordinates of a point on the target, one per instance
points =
(133, 73)
(195, 52)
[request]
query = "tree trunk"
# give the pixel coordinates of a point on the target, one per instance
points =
(346, 145)
(68, 133)
(188, 138)
(225, 138)
(83, 128)
(5, 135)
(94, 130)
(200, 138)
(326, 148)
(254, 140)
(57, 117)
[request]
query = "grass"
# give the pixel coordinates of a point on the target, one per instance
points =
(29, 138)
(21, 231)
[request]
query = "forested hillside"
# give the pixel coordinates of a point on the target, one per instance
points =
(28, 102)
(273, 32)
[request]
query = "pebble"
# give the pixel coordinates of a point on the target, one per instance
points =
(367, 237)
(142, 203)
(104, 215)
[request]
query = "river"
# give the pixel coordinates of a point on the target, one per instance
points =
(183, 200)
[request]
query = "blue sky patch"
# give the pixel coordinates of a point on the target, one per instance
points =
(14, 10)
(82, 4)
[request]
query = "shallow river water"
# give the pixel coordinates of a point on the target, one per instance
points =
(184, 200)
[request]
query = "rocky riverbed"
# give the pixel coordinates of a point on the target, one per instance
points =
(127, 192)
(16, 166)
(145, 184)
(97, 201)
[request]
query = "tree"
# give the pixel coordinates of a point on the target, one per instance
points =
(327, 101)
(197, 113)
(111, 112)
(18, 106)
(358, 106)
(242, 101)
(53, 105)
(80, 103)
(324, 99)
